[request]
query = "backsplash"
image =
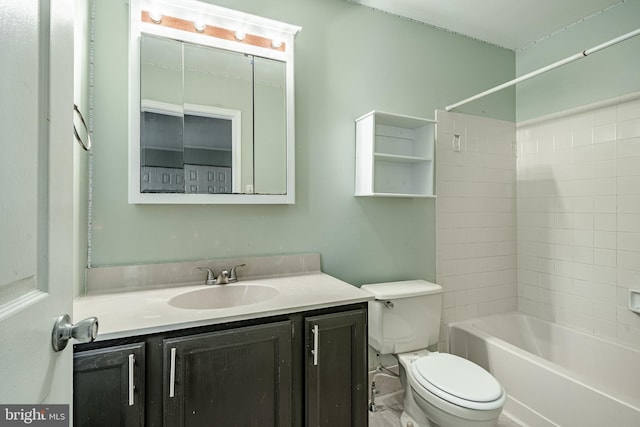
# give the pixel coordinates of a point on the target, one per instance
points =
(579, 218)
(136, 277)
(475, 217)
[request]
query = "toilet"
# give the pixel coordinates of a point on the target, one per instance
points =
(440, 389)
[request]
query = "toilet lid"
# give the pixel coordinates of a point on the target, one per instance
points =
(458, 381)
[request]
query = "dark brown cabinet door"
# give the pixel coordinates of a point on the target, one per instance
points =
(240, 377)
(336, 371)
(108, 386)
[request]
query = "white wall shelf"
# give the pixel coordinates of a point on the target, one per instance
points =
(394, 155)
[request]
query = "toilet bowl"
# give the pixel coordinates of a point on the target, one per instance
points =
(440, 389)
(447, 390)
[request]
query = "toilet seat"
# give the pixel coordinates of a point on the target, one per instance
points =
(458, 381)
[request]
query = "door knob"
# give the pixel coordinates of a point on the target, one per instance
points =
(84, 331)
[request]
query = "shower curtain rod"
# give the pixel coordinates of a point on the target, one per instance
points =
(539, 71)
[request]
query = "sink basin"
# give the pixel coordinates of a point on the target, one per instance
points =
(224, 296)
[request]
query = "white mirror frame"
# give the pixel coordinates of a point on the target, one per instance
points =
(195, 11)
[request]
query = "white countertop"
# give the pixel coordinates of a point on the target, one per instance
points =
(148, 311)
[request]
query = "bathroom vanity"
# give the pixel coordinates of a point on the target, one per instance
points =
(296, 359)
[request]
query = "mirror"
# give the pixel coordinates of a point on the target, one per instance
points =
(213, 118)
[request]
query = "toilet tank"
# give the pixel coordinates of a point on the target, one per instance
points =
(405, 316)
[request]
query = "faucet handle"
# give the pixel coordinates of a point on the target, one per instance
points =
(211, 280)
(232, 274)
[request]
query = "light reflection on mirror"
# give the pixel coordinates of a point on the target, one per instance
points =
(270, 128)
(212, 121)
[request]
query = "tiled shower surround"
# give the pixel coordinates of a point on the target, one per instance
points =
(553, 232)
(578, 215)
(475, 217)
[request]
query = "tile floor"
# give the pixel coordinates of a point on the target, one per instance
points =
(389, 403)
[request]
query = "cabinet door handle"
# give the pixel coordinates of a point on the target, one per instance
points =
(132, 361)
(172, 374)
(315, 349)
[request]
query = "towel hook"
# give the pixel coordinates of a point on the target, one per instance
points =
(87, 146)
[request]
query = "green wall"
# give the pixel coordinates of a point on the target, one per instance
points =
(606, 74)
(349, 60)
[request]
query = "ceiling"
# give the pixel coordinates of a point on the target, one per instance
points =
(513, 24)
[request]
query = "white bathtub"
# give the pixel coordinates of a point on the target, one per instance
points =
(552, 374)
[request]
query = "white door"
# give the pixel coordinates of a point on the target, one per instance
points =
(36, 197)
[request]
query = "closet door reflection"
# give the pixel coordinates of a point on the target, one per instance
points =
(218, 120)
(161, 116)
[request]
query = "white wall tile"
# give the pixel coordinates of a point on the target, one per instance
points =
(629, 204)
(605, 311)
(628, 335)
(582, 153)
(604, 204)
(628, 222)
(604, 186)
(628, 166)
(628, 111)
(554, 232)
(628, 242)
(605, 328)
(628, 260)
(605, 116)
(583, 137)
(628, 147)
(605, 239)
(629, 128)
(626, 279)
(604, 257)
(605, 169)
(583, 238)
(605, 275)
(582, 254)
(476, 216)
(605, 222)
(578, 220)
(628, 184)
(605, 151)
(604, 133)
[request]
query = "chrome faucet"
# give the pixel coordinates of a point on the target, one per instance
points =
(210, 275)
(232, 276)
(225, 276)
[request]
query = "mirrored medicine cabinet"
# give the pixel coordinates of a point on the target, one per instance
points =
(211, 105)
